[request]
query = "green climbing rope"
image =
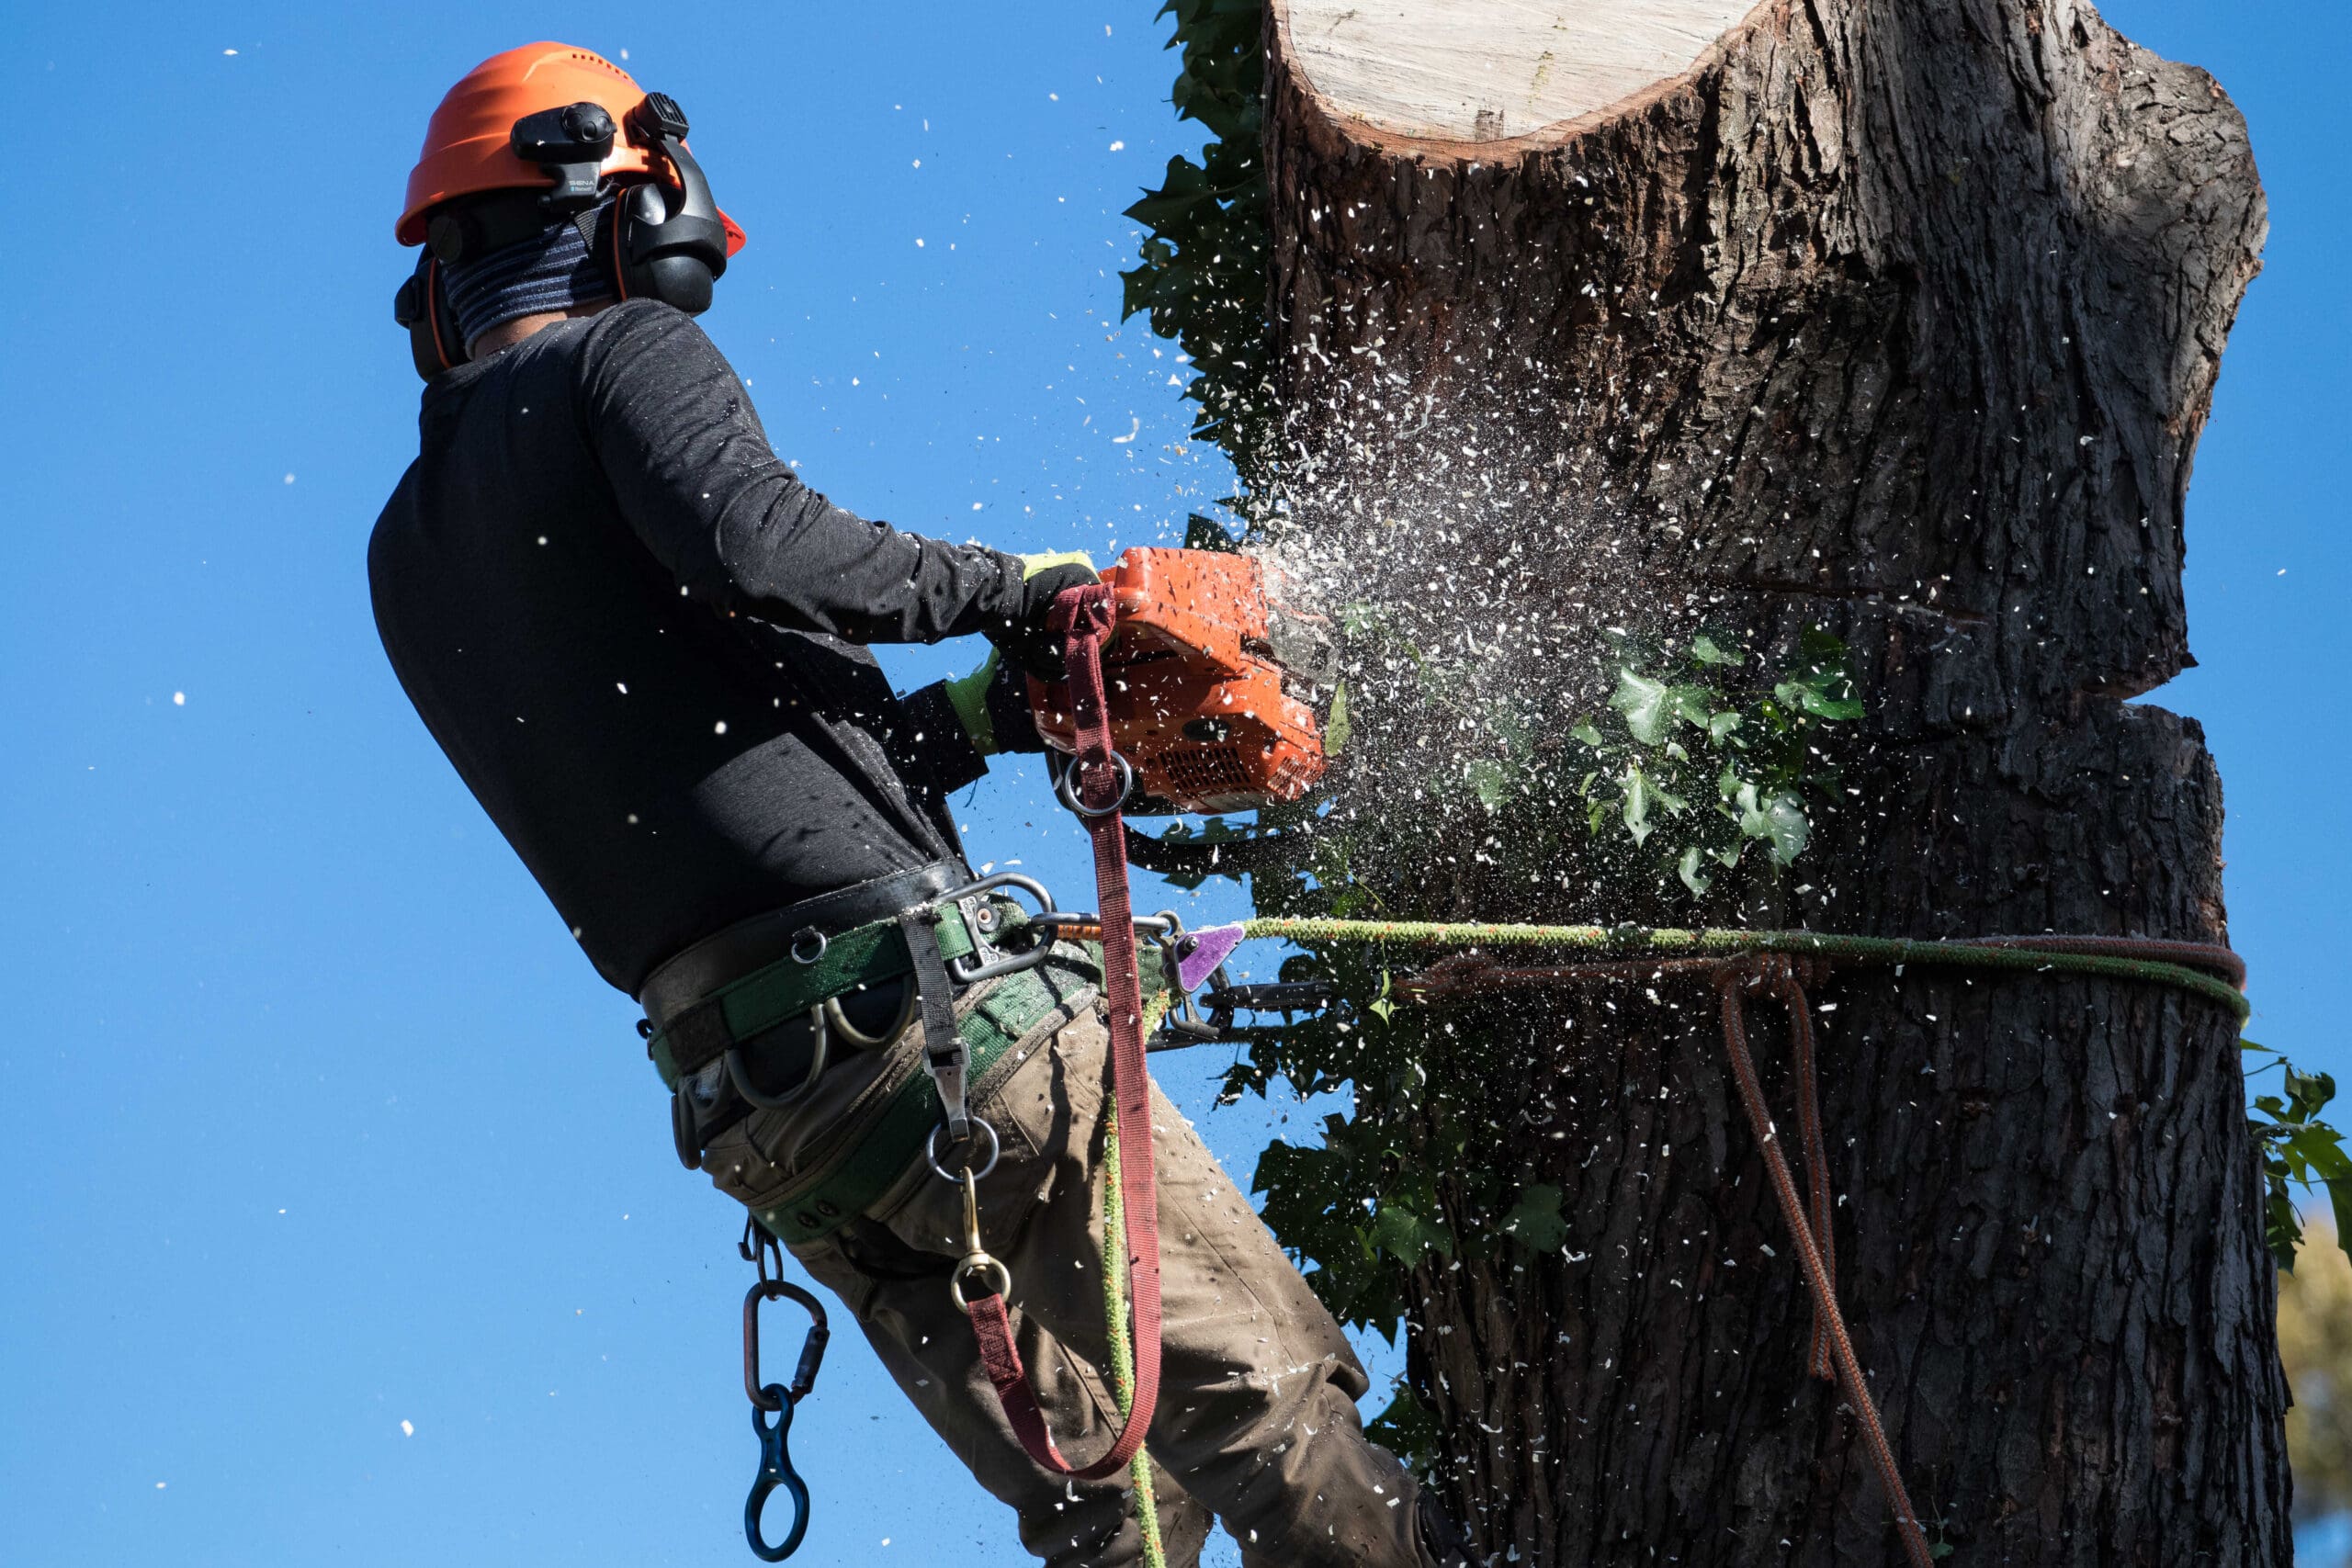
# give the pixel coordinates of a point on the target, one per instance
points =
(1664, 941)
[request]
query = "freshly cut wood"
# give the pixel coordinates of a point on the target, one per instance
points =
(1898, 320)
(1490, 70)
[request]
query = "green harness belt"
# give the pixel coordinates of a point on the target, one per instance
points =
(993, 1017)
(790, 988)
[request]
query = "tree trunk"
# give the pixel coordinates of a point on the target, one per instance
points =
(1899, 320)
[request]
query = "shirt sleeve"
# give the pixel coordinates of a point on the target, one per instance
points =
(694, 475)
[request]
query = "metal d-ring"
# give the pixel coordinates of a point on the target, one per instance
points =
(1065, 787)
(809, 944)
(741, 1076)
(931, 1153)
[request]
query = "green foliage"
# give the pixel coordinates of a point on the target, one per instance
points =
(1408, 1428)
(1208, 533)
(2298, 1149)
(1705, 764)
(1694, 761)
(1216, 834)
(1339, 726)
(1202, 275)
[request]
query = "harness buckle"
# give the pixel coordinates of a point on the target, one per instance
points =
(979, 924)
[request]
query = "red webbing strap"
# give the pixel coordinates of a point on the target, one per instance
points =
(1084, 616)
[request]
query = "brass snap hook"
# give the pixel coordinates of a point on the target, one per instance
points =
(976, 1258)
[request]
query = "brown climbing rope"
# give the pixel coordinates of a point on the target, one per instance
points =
(1775, 975)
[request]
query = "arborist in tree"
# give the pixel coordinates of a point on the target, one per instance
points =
(641, 641)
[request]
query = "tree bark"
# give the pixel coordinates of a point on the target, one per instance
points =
(1899, 320)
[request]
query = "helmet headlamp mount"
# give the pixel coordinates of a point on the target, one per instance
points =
(571, 145)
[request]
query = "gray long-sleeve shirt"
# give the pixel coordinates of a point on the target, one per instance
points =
(635, 633)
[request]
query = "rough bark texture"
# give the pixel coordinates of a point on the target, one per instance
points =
(1901, 319)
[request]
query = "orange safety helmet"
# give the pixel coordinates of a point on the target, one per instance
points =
(469, 143)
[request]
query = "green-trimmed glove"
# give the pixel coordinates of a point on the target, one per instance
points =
(1026, 638)
(993, 704)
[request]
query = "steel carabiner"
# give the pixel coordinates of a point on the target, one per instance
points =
(776, 1456)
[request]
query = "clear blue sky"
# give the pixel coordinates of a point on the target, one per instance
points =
(315, 1122)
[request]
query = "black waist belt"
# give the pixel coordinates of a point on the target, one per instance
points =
(748, 946)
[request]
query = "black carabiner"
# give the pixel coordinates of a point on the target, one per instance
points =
(776, 1456)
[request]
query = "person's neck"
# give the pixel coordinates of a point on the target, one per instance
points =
(506, 334)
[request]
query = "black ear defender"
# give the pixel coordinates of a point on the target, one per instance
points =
(657, 240)
(668, 244)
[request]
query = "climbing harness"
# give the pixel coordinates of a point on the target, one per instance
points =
(776, 1399)
(926, 933)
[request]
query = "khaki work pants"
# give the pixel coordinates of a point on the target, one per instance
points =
(1257, 1422)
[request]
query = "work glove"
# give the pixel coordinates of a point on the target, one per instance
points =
(1025, 638)
(993, 704)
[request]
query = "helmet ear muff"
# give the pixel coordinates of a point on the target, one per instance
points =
(422, 305)
(657, 253)
(668, 241)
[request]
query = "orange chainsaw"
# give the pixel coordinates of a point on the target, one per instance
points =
(1214, 683)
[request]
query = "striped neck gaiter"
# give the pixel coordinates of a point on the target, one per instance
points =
(551, 272)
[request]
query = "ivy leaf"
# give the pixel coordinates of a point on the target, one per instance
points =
(1488, 781)
(1780, 821)
(1821, 649)
(1382, 1007)
(1338, 727)
(1643, 702)
(1638, 798)
(1785, 827)
(1720, 725)
(1693, 704)
(1687, 869)
(1811, 693)
(1707, 650)
(1843, 709)
(1406, 1237)
(1535, 1220)
(1208, 533)
(1585, 732)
